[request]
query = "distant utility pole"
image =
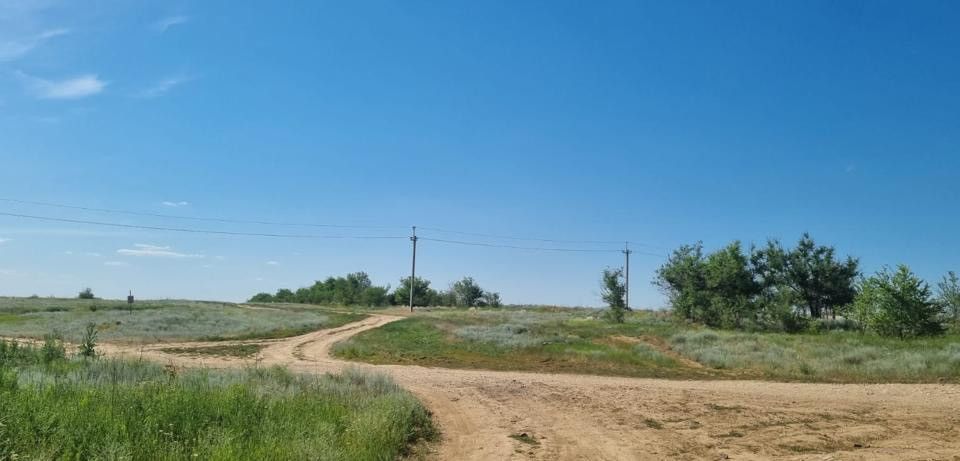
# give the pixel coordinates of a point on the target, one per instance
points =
(413, 268)
(626, 276)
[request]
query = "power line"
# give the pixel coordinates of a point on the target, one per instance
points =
(192, 218)
(534, 239)
(333, 226)
(517, 247)
(199, 231)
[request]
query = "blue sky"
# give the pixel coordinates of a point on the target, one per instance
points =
(661, 123)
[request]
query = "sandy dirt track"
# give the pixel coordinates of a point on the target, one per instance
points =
(580, 417)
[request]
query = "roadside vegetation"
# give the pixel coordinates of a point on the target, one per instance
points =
(356, 289)
(773, 288)
(158, 321)
(241, 351)
(53, 406)
(649, 344)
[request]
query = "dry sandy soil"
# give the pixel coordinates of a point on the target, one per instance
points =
(488, 415)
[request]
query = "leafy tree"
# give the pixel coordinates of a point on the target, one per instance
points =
(613, 292)
(354, 289)
(683, 279)
(374, 296)
(820, 282)
(86, 293)
(730, 287)
(899, 304)
(284, 295)
(262, 298)
(490, 299)
(423, 295)
(948, 293)
(466, 292)
(443, 298)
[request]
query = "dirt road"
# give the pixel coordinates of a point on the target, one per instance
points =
(488, 415)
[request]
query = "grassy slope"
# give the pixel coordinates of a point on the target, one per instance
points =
(648, 345)
(167, 320)
(108, 409)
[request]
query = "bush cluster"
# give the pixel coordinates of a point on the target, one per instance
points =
(356, 289)
(804, 288)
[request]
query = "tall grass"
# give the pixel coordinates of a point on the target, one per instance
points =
(116, 409)
(153, 321)
(834, 356)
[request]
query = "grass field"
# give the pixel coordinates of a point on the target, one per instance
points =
(647, 345)
(166, 320)
(54, 407)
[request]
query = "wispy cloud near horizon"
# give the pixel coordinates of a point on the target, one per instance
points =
(159, 251)
(166, 23)
(71, 88)
(162, 87)
(175, 204)
(15, 49)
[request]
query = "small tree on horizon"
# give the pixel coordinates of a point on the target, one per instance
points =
(423, 295)
(613, 292)
(467, 292)
(86, 293)
(899, 304)
(948, 293)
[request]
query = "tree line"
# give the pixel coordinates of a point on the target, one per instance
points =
(772, 287)
(357, 289)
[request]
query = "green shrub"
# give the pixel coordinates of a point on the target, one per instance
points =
(88, 344)
(53, 348)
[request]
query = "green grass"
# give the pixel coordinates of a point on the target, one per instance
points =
(165, 320)
(58, 408)
(242, 351)
(548, 340)
(834, 356)
(647, 345)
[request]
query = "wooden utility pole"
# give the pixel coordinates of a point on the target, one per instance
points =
(626, 275)
(413, 268)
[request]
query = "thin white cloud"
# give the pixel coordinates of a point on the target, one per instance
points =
(68, 252)
(157, 251)
(174, 204)
(162, 87)
(93, 254)
(115, 263)
(70, 88)
(14, 49)
(272, 263)
(4, 240)
(165, 23)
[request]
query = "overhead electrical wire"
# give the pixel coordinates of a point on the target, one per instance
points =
(193, 218)
(198, 231)
(505, 237)
(310, 236)
(517, 247)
